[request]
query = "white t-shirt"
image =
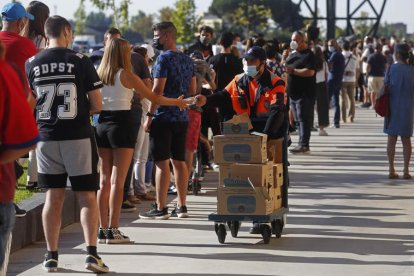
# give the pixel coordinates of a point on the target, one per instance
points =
(352, 64)
(321, 74)
(367, 52)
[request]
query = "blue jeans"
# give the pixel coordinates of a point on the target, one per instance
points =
(7, 217)
(303, 113)
(333, 90)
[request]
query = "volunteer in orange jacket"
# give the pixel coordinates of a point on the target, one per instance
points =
(257, 92)
(261, 95)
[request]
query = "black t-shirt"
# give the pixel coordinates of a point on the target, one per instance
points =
(227, 66)
(206, 50)
(140, 68)
(298, 87)
(61, 79)
(377, 62)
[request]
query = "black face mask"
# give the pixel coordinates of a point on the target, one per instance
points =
(157, 45)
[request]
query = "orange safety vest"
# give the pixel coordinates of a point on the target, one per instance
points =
(238, 96)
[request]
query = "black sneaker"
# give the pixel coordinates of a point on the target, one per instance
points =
(114, 236)
(154, 213)
(31, 186)
(128, 207)
(180, 212)
(50, 265)
(95, 264)
(300, 149)
(19, 212)
(102, 233)
(172, 190)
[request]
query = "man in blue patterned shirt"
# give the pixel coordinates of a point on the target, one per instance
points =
(173, 74)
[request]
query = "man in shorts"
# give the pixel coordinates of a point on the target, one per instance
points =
(377, 65)
(67, 89)
(173, 74)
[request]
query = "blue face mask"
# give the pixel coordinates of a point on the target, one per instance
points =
(331, 49)
(251, 70)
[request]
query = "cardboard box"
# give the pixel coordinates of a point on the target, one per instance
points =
(238, 125)
(275, 150)
(277, 198)
(260, 175)
(277, 175)
(243, 148)
(245, 201)
(224, 173)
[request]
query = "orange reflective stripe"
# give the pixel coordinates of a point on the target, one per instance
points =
(234, 95)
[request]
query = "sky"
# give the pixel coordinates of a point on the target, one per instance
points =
(394, 10)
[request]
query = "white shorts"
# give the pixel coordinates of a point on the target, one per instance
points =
(375, 84)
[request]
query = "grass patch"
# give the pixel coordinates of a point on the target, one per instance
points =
(21, 192)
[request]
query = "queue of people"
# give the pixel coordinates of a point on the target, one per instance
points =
(152, 110)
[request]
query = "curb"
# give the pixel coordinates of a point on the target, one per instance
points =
(29, 229)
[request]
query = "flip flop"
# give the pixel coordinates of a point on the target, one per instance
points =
(407, 176)
(393, 176)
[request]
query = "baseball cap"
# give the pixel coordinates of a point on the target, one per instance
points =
(14, 11)
(197, 55)
(255, 52)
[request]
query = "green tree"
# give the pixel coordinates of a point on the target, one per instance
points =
(120, 12)
(98, 21)
(362, 27)
(165, 14)
(185, 20)
(252, 16)
(142, 23)
(284, 13)
(80, 17)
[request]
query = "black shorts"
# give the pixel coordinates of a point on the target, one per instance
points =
(167, 140)
(115, 130)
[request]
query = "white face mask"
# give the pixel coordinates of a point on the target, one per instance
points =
(251, 70)
(293, 45)
(331, 49)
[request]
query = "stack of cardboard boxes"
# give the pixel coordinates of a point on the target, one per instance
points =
(249, 184)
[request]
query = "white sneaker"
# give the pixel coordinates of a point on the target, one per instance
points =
(323, 132)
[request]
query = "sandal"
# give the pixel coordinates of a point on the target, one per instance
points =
(393, 176)
(407, 176)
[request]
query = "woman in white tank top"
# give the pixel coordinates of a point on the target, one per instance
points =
(113, 134)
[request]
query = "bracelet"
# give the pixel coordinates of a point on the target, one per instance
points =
(150, 114)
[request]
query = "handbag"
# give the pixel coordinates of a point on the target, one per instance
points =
(382, 103)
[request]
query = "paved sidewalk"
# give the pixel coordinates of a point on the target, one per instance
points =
(346, 218)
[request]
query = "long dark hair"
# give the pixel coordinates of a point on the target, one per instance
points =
(34, 28)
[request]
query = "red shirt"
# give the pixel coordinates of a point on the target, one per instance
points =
(18, 49)
(18, 127)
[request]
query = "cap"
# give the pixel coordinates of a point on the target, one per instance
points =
(197, 55)
(255, 52)
(14, 11)
(150, 50)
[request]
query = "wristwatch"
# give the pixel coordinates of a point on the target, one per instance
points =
(150, 114)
